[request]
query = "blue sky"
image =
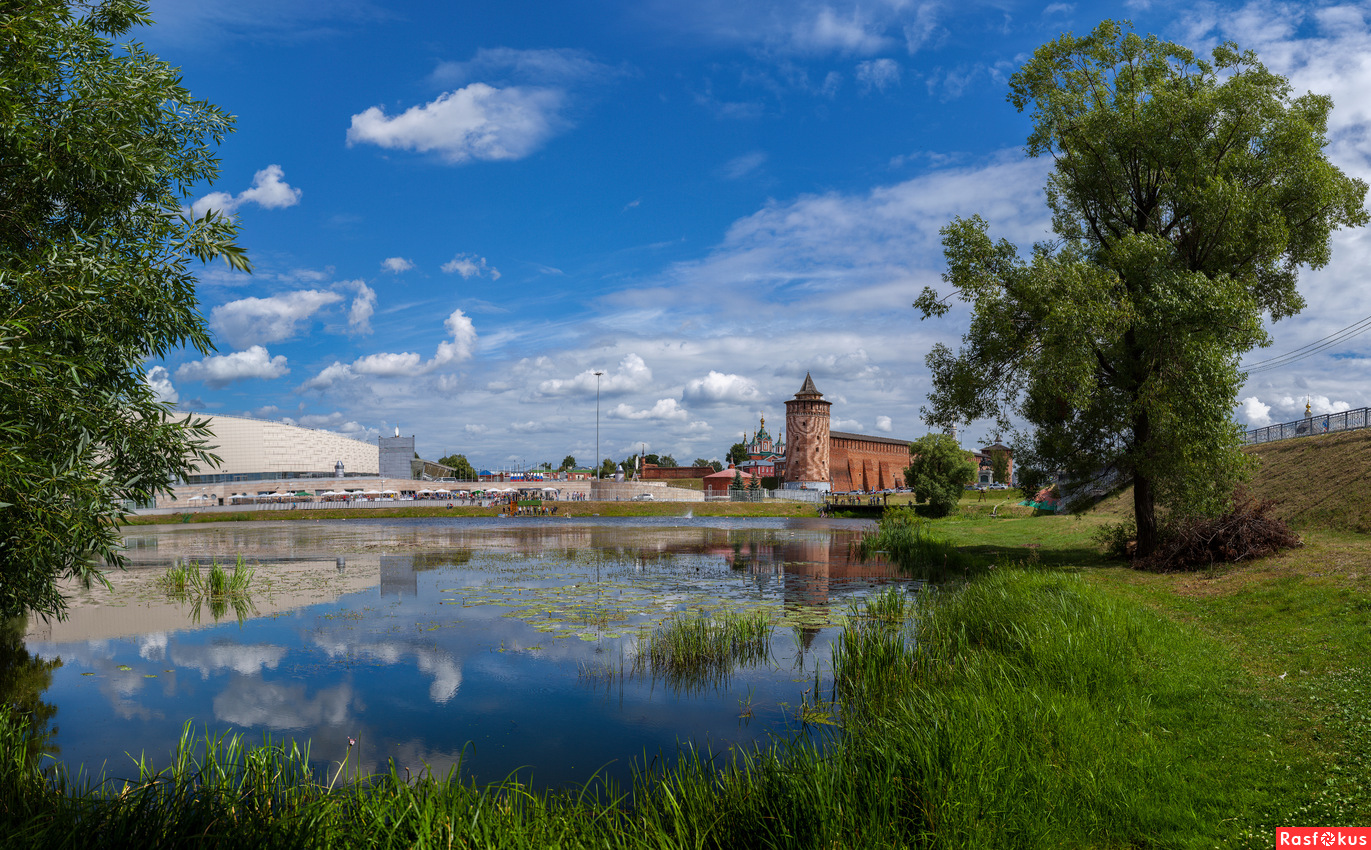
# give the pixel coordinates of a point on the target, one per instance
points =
(458, 211)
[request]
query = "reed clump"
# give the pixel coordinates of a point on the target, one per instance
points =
(875, 656)
(190, 579)
(692, 651)
(216, 587)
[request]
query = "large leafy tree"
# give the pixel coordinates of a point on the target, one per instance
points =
(1185, 196)
(938, 471)
(737, 453)
(99, 146)
(462, 468)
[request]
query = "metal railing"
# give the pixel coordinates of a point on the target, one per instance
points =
(1328, 423)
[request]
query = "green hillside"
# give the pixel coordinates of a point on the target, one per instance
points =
(1316, 482)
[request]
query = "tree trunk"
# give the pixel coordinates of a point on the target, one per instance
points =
(1145, 514)
(1144, 496)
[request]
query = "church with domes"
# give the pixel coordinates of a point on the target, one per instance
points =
(762, 452)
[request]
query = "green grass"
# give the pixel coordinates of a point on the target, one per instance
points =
(1027, 709)
(911, 542)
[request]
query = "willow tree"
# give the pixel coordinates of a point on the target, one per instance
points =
(99, 147)
(1185, 197)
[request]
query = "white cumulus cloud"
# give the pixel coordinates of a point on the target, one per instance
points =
(469, 266)
(632, 374)
(159, 379)
(220, 370)
(721, 388)
(396, 265)
(884, 425)
(250, 321)
(363, 306)
(1319, 405)
(463, 344)
(388, 365)
(408, 364)
(476, 122)
(269, 189)
(665, 410)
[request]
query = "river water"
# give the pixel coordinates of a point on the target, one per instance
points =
(494, 646)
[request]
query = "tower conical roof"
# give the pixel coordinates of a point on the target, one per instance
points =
(809, 390)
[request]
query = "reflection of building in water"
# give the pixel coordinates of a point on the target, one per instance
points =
(398, 576)
(400, 573)
(809, 565)
(137, 605)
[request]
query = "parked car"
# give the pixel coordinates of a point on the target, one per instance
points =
(643, 497)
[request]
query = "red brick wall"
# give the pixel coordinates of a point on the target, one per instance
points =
(652, 472)
(866, 465)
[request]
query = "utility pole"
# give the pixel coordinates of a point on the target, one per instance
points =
(597, 424)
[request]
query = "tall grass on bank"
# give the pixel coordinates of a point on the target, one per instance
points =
(909, 541)
(697, 651)
(1024, 709)
(875, 656)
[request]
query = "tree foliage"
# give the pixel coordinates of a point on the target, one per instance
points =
(98, 148)
(1185, 195)
(999, 466)
(568, 462)
(737, 453)
(462, 468)
(938, 471)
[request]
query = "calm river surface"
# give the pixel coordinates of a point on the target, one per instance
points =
(503, 644)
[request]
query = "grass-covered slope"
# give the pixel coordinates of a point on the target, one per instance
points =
(1316, 482)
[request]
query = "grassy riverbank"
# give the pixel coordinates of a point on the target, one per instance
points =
(1052, 700)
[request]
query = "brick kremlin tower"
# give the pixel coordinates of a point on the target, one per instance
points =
(806, 439)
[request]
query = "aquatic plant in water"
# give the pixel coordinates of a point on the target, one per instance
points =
(218, 588)
(694, 651)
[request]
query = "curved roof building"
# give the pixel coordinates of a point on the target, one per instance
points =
(260, 449)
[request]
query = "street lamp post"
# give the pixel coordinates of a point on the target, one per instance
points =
(597, 425)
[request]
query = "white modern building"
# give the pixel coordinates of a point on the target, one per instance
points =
(263, 450)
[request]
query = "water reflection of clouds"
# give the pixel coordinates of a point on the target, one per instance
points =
(245, 659)
(153, 647)
(535, 605)
(122, 688)
(250, 701)
(446, 673)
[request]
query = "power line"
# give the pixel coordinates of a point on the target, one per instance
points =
(1304, 351)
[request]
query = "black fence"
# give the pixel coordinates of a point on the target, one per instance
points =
(1328, 423)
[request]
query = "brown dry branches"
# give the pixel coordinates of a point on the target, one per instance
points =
(1246, 531)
